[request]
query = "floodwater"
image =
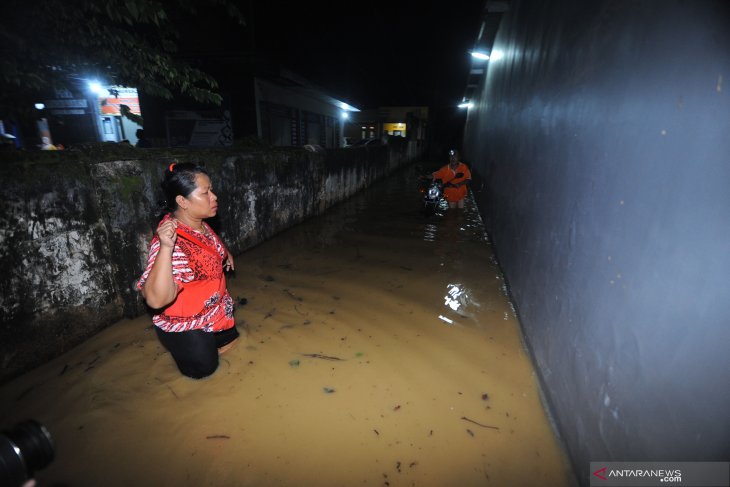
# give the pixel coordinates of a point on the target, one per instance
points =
(378, 348)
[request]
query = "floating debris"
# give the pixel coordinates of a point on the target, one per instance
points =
(294, 363)
(218, 437)
(470, 432)
(25, 392)
(376, 432)
(396, 408)
(242, 301)
(328, 390)
(479, 424)
(292, 295)
(323, 357)
(485, 397)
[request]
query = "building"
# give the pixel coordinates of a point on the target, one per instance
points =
(292, 112)
(408, 122)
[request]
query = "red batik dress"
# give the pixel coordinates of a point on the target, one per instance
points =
(202, 301)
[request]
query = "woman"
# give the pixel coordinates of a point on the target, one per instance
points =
(184, 281)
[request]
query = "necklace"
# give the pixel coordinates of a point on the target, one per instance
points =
(202, 228)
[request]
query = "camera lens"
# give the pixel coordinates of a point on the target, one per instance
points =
(24, 448)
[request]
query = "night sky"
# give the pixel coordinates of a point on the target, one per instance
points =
(377, 53)
(399, 53)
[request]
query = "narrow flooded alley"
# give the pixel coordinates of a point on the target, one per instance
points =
(378, 348)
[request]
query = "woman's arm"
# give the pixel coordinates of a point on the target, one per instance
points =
(160, 288)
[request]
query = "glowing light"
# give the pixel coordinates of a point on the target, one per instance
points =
(443, 318)
(39, 106)
(480, 55)
(348, 108)
(95, 87)
(345, 115)
(466, 104)
(497, 55)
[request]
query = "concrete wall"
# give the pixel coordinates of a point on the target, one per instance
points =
(600, 144)
(75, 227)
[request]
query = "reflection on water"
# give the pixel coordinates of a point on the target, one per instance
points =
(378, 349)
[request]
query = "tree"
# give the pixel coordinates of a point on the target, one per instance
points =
(51, 44)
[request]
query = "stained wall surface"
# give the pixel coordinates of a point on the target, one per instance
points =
(600, 145)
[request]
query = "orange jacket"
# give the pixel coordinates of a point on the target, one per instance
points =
(448, 175)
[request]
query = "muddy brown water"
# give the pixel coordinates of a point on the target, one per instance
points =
(378, 348)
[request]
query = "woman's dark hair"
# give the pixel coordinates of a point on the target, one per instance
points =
(179, 180)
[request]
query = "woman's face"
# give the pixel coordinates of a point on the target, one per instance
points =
(202, 202)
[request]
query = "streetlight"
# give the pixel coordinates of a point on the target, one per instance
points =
(497, 55)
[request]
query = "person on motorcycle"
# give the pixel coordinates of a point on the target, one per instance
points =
(455, 175)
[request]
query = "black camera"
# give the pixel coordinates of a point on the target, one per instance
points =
(24, 448)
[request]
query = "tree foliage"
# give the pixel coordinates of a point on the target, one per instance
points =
(51, 44)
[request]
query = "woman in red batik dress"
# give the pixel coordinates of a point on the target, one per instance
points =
(184, 281)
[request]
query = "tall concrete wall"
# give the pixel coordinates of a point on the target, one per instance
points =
(600, 142)
(75, 227)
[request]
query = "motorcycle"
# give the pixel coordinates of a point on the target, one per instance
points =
(433, 194)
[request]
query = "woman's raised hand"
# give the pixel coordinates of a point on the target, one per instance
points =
(167, 233)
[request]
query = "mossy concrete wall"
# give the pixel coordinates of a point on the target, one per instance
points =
(75, 227)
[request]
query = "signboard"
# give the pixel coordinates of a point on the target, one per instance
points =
(111, 105)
